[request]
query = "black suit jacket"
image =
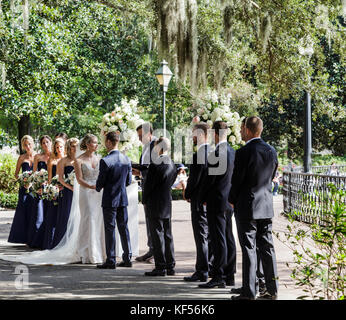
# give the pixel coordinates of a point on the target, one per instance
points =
(198, 172)
(143, 168)
(157, 188)
(115, 174)
(216, 186)
(254, 169)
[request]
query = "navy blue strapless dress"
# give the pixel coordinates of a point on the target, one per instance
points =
(64, 208)
(37, 225)
(50, 219)
(21, 219)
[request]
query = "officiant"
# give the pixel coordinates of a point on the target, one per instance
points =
(145, 135)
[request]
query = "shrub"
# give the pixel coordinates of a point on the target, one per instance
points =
(319, 249)
(8, 200)
(8, 183)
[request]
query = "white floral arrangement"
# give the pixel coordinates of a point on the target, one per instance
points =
(70, 178)
(51, 193)
(37, 181)
(217, 108)
(24, 179)
(124, 119)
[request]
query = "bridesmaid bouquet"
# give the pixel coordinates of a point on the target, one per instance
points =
(70, 178)
(24, 180)
(51, 193)
(38, 181)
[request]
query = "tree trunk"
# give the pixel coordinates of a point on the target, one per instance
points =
(24, 127)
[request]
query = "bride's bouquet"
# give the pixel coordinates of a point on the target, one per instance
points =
(124, 119)
(24, 180)
(38, 180)
(217, 108)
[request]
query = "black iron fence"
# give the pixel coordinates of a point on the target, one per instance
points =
(309, 194)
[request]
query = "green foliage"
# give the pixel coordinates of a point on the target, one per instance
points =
(8, 200)
(319, 250)
(8, 182)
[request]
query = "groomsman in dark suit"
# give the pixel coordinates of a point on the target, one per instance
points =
(251, 196)
(115, 174)
(260, 282)
(198, 172)
(158, 199)
(215, 193)
(145, 135)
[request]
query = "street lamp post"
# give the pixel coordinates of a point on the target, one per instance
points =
(307, 51)
(164, 75)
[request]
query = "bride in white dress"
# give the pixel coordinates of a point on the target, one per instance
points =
(91, 240)
(84, 239)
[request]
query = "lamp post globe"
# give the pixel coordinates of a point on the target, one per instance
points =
(164, 75)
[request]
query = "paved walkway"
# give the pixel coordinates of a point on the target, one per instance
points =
(78, 281)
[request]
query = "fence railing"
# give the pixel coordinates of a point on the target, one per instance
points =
(301, 189)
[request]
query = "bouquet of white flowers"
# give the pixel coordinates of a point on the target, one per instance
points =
(24, 180)
(70, 178)
(51, 193)
(217, 108)
(124, 119)
(38, 180)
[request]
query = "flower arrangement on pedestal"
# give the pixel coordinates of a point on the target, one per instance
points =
(217, 108)
(124, 119)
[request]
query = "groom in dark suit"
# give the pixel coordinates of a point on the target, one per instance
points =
(115, 174)
(254, 169)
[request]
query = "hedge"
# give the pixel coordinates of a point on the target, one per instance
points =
(8, 200)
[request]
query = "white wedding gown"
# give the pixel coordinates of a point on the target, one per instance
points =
(91, 240)
(84, 240)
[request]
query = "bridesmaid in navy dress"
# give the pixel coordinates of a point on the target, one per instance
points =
(52, 206)
(20, 224)
(65, 166)
(37, 223)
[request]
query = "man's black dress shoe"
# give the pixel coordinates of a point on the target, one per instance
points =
(170, 272)
(267, 296)
(125, 264)
(106, 266)
(213, 283)
(241, 297)
(145, 257)
(237, 290)
(196, 277)
(155, 273)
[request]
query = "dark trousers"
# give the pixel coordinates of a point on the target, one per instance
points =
(200, 233)
(150, 242)
(231, 258)
(111, 217)
(217, 235)
(163, 248)
(251, 234)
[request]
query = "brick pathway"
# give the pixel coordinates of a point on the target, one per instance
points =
(79, 281)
